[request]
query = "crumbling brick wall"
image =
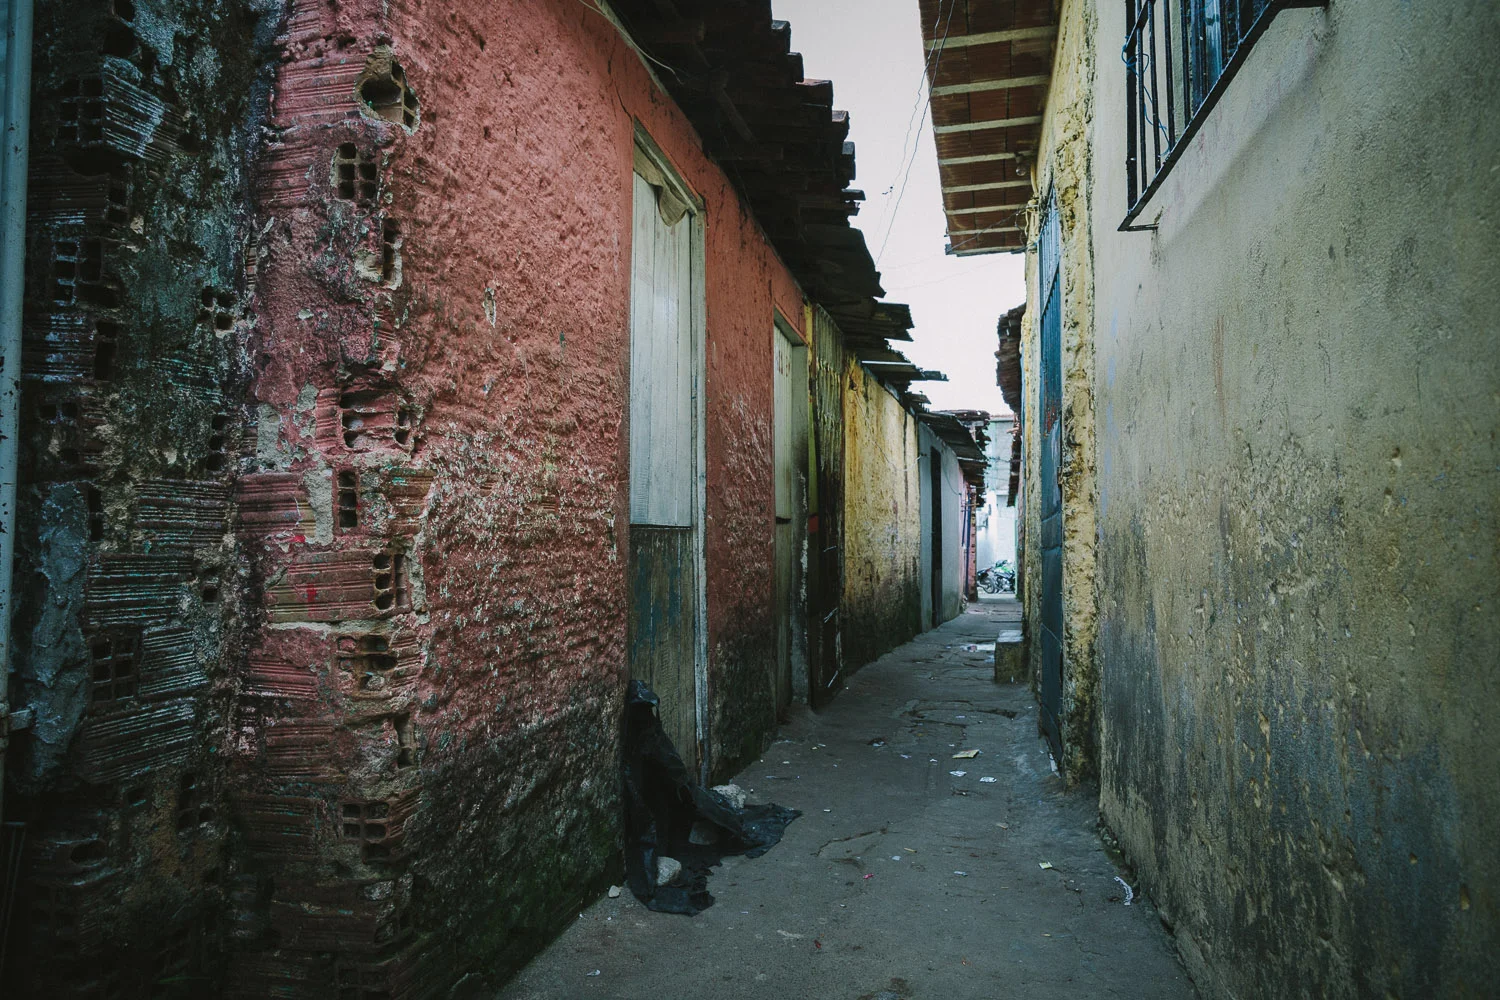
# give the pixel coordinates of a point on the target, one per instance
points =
(323, 530)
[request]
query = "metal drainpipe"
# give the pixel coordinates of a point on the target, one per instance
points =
(17, 125)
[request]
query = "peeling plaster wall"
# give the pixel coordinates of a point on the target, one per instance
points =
(131, 598)
(1063, 170)
(882, 520)
(401, 710)
(1297, 381)
(504, 336)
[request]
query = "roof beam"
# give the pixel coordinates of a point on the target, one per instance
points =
(992, 37)
(983, 232)
(960, 161)
(991, 186)
(984, 208)
(993, 123)
(982, 86)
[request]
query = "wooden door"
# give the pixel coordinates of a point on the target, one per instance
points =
(664, 580)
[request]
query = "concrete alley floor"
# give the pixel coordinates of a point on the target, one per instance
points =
(902, 880)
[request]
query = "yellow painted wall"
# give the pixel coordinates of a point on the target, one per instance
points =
(1289, 408)
(882, 520)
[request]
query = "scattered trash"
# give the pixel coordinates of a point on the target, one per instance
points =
(895, 857)
(828, 810)
(734, 793)
(614, 892)
(789, 935)
(596, 972)
(932, 760)
(870, 875)
(958, 774)
(987, 780)
(1129, 892)
(817, 944)
(906, 756)
(667, 869)
(1045, 865)
(966, 755)
(662, 803)
(964, 874)
(877, 742)
(1003, 826)
(909, 850)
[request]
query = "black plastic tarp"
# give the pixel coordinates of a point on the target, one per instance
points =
(662, 803)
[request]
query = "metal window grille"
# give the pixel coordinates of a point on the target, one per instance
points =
(1179, 57)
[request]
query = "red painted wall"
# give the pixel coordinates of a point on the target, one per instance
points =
(445, 738)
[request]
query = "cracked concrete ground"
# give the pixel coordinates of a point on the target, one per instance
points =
(902, 880)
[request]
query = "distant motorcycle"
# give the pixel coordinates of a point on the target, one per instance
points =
(998, 579)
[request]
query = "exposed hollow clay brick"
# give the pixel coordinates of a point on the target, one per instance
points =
(355, 174)
(347, 499)
(384, 91)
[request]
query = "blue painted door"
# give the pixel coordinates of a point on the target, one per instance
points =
(1050, 409)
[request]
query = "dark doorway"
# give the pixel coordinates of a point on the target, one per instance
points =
(1049, 249)
(935, 466)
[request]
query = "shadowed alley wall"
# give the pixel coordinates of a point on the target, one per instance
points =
(1297, 507)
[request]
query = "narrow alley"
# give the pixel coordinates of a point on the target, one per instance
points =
(445, 443)
(911, 875)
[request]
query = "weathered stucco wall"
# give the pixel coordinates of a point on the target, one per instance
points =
(404, 762)
(882, 520)
(1298, 485)
(510, 320)
(1063, 172)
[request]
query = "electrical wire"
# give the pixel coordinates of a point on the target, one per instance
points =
(631, 41)
(917, 103)
(934, 60)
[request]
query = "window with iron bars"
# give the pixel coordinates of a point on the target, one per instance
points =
(1179, 57)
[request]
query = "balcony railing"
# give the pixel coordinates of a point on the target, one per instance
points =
(1179, 57)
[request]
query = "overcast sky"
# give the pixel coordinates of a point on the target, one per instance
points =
(872, 51)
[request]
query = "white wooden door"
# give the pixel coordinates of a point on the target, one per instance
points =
(664, 589)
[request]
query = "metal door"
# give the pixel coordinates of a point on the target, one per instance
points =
(663, 578)
(1050, 406)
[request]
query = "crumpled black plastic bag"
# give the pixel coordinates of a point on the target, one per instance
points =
(662, 803)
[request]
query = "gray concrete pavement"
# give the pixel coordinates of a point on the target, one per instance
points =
(902, 880)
